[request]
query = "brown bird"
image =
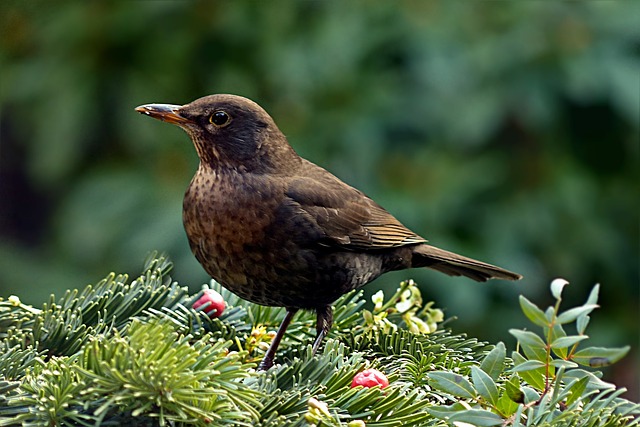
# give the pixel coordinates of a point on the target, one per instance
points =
(278, 230)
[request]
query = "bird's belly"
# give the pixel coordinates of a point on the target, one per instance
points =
(270, 268)
(300, 279)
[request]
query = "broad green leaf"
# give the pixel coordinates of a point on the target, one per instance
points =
(528, 366)
(528, 338)
(556, 333)
(532, 312)
(572, 314)
(445, 411)
(593, 295)
(567, 341)
(477, 417)
(597, 357)
(535, 353)
(576, 390)
(493, 363)
(559, 363)
(550, 313)
(530, 394)
(532, 345)
(583, 320)
(534, 378)
(506, 406)
(484, 385)
(514, 392)
(593, 377)
(454, 384)
(581, 323)
(556, 288)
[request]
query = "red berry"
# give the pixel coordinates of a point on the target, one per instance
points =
(370, 378)
(215, 303)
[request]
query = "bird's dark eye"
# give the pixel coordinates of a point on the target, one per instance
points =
(220, 119)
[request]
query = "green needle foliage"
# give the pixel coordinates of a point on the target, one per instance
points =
(136, 353)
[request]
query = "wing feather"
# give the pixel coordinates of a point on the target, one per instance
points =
(347, 217)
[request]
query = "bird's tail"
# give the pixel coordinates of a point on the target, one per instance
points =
(458, 265)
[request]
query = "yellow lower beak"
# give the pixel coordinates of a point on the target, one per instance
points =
(165, 112)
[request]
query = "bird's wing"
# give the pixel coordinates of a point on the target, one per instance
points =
(345, 216)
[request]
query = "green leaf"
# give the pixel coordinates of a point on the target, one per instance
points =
(534, 378)
(576, 390)
(593, 295)
(572, 314)
(583, 320)
(550, 313)
(514, 392)
(528, 366)
(506, 407)
(597, 357)
(454, 384)
(559, 363)
(556, 288)
(484, 384)
(593, 377)
(444, 412)
(532, 312)
(528, 338)
(493, 363)
(530, 394)
(532, 345)
(581, 323)
(477, 417)
(568, 341)
(556, 333)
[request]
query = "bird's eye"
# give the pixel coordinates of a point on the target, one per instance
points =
(219, 118)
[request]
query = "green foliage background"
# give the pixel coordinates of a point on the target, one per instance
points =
(507, 131)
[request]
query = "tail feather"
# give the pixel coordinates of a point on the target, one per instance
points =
(458, 265)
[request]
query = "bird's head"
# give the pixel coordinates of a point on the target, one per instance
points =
(228, 131)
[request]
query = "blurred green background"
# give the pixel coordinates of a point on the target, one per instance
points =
(507, 131)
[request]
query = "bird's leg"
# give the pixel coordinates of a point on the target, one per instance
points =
(267, 360)
(325, 320)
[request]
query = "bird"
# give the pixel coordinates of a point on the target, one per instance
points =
(278, 230)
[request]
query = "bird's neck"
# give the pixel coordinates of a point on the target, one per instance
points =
(288, 165)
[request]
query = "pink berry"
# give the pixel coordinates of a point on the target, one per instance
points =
(215, 303)
(370, 378)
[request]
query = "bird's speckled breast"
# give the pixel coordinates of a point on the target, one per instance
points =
(221, 221)
(240, 233)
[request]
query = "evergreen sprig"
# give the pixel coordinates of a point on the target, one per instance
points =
(181, 380)
(137, 354)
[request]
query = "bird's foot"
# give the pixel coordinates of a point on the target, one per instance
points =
(318, 341)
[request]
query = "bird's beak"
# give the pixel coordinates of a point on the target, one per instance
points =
(165, 112)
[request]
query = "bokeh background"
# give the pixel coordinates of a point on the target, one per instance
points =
(507, 131)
